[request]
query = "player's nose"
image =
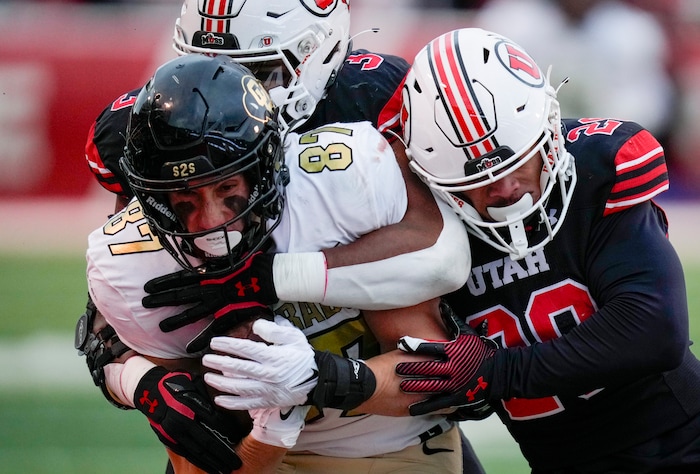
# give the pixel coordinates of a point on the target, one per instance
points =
(504, 190)
(210, 216)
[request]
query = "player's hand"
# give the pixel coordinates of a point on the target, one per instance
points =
(459, 376)
(262, 375)
(178, 408)
(213, 293)
(226, 323)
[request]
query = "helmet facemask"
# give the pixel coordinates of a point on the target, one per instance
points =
(492, 112)
(525, 226)
(181, 138)
(217, 246)
(304, 43)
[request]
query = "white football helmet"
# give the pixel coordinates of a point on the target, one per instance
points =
(476, 108)
(295, 47)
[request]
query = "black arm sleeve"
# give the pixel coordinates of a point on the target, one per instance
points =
(641, 326)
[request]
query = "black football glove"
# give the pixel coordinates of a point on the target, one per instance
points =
(223, 323)
(215, 293)
(177, 406)
(459, 376)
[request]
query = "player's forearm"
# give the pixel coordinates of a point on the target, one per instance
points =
(406, 279)
(257, 457)
(423, 256)
(419, 228)
(388, 399)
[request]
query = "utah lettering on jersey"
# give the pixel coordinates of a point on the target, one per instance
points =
(504, 271)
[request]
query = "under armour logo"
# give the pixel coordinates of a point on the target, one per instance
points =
(252, 286)
(480, 385)
(152, 404)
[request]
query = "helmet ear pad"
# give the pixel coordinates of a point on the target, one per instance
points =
(201, 120)
(482, 108)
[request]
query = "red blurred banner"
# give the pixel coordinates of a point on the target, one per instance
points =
(60, 65)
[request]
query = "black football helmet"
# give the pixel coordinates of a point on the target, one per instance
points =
(200, 120)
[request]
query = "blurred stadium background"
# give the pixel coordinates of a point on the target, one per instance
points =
(61, 63)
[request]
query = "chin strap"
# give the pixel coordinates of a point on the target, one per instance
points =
(99, 348)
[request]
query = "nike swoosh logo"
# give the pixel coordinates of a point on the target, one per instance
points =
(430, 451)
(314, 375)
(287, 414)
(277, 15)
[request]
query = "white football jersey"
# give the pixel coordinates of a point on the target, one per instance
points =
(344, 182)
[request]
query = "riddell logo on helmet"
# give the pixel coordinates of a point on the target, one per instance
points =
(160, 207)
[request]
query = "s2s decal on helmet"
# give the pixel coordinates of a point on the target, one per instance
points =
(519, 64)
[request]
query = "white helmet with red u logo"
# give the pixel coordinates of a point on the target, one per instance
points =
(294, 47)
(476, 108)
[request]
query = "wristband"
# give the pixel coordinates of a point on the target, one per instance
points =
(122, 379)
(300, 276)
(343, 383)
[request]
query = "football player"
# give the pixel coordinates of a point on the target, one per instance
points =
(205, 160)
(572, 267)
(296, 53)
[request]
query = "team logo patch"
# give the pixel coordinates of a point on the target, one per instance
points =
(256, 100)
(322, 7)
(519, 63)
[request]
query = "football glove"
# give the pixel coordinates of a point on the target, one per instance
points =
(178, 408)
(213, 293)
(225, 322)
(459, 376)
(285, 372)
(260, 375)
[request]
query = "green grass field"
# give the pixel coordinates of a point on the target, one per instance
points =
(57, 428)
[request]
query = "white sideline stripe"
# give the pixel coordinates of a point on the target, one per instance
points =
(43, 361)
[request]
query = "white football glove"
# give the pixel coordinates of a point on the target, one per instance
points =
(278, 426)
(260, 375)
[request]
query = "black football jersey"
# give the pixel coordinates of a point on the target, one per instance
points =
(368, 88)
(595, 322)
